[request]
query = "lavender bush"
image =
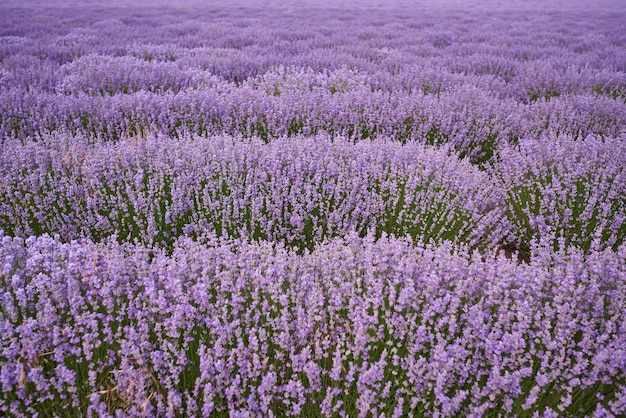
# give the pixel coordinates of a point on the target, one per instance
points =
(347, 208)
(567, 192)
(298, 192)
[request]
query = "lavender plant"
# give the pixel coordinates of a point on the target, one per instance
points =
(566, 192)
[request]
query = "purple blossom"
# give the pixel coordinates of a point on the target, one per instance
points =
(382, 209)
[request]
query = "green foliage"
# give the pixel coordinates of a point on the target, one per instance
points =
(535, 95)
(616, 93)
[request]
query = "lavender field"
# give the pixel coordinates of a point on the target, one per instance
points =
(321, 209)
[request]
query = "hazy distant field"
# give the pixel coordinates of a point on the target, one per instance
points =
(339, 209)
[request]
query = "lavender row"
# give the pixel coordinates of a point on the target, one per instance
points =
(357, 327)
(97, 74)
(301, 191)
(298, 192)
(474, 123)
